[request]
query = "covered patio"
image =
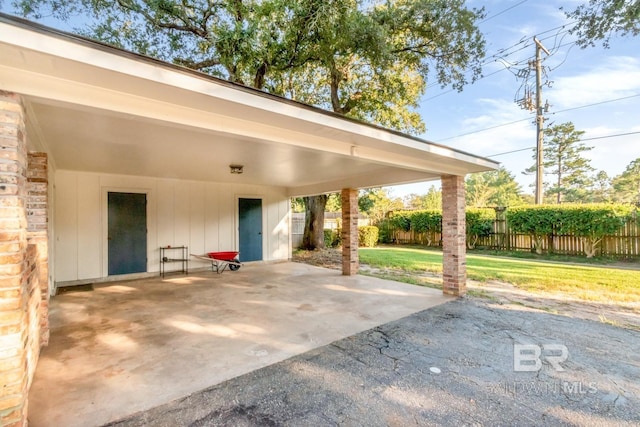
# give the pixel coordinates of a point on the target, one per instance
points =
(90, 133)
(130, 346)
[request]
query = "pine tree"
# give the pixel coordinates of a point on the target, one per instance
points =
(563, 160)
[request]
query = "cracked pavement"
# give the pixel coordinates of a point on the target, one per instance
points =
(449, 365)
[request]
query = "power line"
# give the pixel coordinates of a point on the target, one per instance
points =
(500, 54)
(528, 118)
(583, 139)
(596, 103)
(485, 129)
(511, 152)
(451, 90)
(526, 40)
(610, 136)
(496, 58)
(502, 11)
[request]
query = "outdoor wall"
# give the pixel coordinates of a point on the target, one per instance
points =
(200, 215)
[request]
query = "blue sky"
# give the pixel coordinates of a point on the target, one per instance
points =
(579, 77)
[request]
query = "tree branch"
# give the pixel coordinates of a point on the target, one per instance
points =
(186, 27)
(207, 63)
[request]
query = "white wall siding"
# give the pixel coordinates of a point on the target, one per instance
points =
(212, 210)
(197, 218)
(89, 225)
(200, 215)
(66, 220)
(182, 217)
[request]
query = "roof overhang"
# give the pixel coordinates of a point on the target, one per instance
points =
(101, 109)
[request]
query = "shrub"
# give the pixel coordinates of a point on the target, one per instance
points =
(428, 221)
(592, 222)
(588, 222)
(400, 220)
(385, 232)
(368, 236)
(536, 221)
(331, 238)
(479, 224)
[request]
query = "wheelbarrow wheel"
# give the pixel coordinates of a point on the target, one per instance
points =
(234, 267)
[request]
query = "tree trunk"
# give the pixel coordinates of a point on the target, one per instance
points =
(590, 246)
(537, 244)
(313, 237)
(559, 198)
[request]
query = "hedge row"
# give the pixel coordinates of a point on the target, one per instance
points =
(367, 237)
(588, 222)
(429, 222)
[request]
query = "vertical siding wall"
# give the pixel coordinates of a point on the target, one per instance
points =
(200, 215)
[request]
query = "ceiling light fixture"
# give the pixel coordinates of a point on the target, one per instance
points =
(237, 169)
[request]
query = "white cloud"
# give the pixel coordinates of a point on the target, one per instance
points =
(616, 77)
(484, 141)
(615, 153)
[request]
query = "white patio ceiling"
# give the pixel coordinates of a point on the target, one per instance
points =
(100, 109)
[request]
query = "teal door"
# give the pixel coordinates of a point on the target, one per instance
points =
(127, 240)
(250, 229)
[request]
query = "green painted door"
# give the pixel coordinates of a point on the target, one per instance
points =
(127, 241)
(250, 229)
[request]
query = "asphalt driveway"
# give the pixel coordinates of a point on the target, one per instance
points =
(467, 362)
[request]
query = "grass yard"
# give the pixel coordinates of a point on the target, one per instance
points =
(588, 282)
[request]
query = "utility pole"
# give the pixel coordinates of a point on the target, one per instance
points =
(539, 121)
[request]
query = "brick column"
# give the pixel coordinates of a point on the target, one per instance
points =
(350, 261)
(37, 230)
(454, 262)
(20, 295)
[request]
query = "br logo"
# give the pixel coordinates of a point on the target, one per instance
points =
(528, 357)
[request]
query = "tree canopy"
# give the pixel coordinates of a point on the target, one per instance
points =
(366, 59)
(432, 200)
(493, 188)
(626, 186)
(599, 20)
(370, 60)
(377, 203)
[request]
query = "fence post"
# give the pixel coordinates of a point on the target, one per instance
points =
(500, 228)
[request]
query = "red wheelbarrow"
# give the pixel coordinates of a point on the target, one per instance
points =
(220, 260)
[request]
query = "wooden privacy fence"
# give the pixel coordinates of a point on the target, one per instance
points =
(623, 244)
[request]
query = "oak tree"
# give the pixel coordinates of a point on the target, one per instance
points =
(599, 20)
(369, 60)
(493, 188)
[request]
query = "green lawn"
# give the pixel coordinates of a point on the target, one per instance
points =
(590, 283)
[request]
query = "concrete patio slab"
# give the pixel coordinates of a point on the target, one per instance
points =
(130, 346)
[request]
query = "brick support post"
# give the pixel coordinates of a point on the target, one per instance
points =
(37, 230)
(454, 262)
(20, 292)
(350, 261)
